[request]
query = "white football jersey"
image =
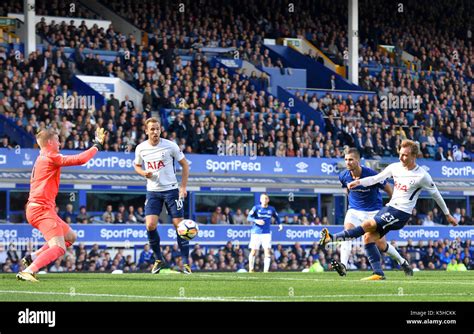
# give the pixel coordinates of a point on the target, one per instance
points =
(408, 185)
(159, 159)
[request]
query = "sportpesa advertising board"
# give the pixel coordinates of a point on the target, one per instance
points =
(134, 234)
(22, 160)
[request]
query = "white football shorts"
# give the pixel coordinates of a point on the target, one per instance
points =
(257, 240)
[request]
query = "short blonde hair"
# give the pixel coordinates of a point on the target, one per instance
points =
(414, 149)
(44, 135)
(152, 120)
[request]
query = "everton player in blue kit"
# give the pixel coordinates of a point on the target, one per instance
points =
(261, 217)
(364, 203)
(409, 180)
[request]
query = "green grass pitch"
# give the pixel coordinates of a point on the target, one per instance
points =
(274, 286)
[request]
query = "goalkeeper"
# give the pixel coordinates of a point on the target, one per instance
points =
(44, 185)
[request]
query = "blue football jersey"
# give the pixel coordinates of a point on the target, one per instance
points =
(363, 198)
(266, 214)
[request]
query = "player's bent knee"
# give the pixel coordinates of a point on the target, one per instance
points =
(57, 241)
(71, 237)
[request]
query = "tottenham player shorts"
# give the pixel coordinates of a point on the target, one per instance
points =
(155, 199)
(389, 219)
(257, 240)
(356, 217)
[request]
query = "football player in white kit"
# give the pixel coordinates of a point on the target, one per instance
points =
(154, 160)
(364, 203)
(409, 179)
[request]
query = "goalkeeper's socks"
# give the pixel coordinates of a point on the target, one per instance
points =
(154, 239)
(373, 254)
(183, 247)
(349, 234)
(45, 258)
(34, 255)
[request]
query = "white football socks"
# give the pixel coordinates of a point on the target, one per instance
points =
(394, 254)
(346, 248)
(251, 262)
(266, 264)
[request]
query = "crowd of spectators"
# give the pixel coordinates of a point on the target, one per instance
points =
(62, 8)
(131, 214)
(433, 255)
(436, 217)
(217, 108)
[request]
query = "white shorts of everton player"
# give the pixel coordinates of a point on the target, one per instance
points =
(265, 240)
(356, 217)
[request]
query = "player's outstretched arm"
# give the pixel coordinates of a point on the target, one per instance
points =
(368, 181)
(430, 186)
(83, 157)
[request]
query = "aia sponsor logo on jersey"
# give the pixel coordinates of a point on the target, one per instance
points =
(155, 165)
(399, 186)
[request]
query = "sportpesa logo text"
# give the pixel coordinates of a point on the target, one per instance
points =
(110, 162)
(329, 168)
(234, 166)
(457, 171)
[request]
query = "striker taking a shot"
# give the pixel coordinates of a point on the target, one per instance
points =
(158, 156)
(364, 203)
(409, 180)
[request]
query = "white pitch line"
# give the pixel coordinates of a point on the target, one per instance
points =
(72, 295)
(236, 298)
(269, 278)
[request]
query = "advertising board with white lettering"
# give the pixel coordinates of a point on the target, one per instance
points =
(129, 235)
(23, 159)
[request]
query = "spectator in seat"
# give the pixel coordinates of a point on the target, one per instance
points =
(438, 218)
(239, 218)
(131, 218)
(5, 143)
(228, 216)
(140, 215)
(82, 215)
(439, 156)
(146, 258)
(69, 213)
(108, 213)
(428, 221)
(119, 218)
(217, 216)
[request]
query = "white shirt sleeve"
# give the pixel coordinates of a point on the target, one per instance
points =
(176, 152)
(380, 177)
(138, 159)
(428, 184)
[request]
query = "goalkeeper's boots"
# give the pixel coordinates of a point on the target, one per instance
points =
(339, 267)
(187, 269)
(25, 276)
(373, 277)
(158, 266)
(27, 261)
(325, 237)
(407, 268)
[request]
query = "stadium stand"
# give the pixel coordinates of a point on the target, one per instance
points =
(203, 105)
